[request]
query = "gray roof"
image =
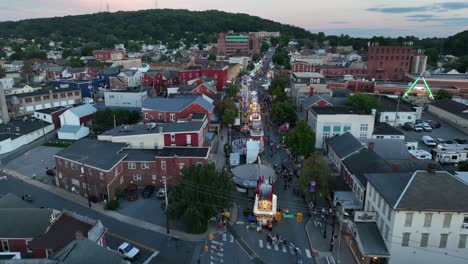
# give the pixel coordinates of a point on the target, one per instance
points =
(344, 144)
(139, 129)
(186, 87)
(86, 251)
(335, 110)
(389, 185)
(388, 149)
(386, 129)
(184, 152)
(83, 110)
(391, 105)
(453, 107)
(13, 201)
(365, 161)
(24, 222)
(370, 240)
(140, 154)
(176, 104)
(99, 154)
(76, 70)
(111, 70)
(128, 73)
(50, 110)
(9, 130)
(333, 100)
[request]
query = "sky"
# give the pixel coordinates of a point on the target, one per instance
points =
(357, 18)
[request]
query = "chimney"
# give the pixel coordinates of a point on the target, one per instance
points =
(370, 145)
(395, 167)
(79, 235)
(374, 111)
(431, 168)
(312, 91)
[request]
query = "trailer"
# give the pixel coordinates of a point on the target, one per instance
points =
(450, 153)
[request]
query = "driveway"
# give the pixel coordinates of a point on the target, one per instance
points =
(34, 162)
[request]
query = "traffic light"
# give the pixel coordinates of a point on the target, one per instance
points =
(299, 217)
(210, 236)
(278, 216)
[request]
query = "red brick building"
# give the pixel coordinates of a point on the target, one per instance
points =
(218, 72)
(111, 166)
(176, 108)
(238, 44)
(160, 80)
(104, 55)
(197, 88)
(389, 63)
(300, 66)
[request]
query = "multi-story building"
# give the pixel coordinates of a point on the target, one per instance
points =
(238, 44)
(397, 112)
(218, 72)
(305, 84)
(176, 108)
(389, 62)
(126, 99)
(422, 216)
(104, 55)
(329, 121)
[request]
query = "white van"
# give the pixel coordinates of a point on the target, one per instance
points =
(429, 141)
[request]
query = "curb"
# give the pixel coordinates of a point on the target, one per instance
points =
(314, 253)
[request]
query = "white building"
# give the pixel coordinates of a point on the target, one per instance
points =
(73, 122)
(329, 121)
(397, 112)
(133, 77)
(305, 84)
(422, 216)
(124, 98)
(7, 83)
(18, 133)
(386, 131)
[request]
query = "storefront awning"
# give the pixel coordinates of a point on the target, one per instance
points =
(370, 240)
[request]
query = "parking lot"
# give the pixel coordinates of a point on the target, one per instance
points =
(445, 132)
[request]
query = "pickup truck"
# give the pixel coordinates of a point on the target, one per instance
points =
(127, 251)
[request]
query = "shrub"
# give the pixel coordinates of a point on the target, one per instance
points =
(93, 198)
(113, 204)
(120, 193)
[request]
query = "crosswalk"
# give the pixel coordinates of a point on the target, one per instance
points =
(282, 248)
(217, 248)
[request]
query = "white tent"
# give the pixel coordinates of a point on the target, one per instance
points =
(253, 148)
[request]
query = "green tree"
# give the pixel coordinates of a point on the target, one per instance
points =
(315, 168)
(146, 58)
(363, 102)
(75, 62)
(105, 119)
(96, 63)
(67, 53)
(212, 57)
(2, 54)
(432, 55)
(278, 58)
(229, 111)
(301, 140)
(163, 58)
(2, 72)
(242, 73)
(250, 66)
(178, 55)
(231, 90)
(256, 57)
(264, 47)
(201, 192)
(133, 46)
(18, 55)
(463, 166)
(26, 71)
(283, 112)
(443, 94)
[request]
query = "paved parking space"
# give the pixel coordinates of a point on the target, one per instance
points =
(34, 162)
(446, 131)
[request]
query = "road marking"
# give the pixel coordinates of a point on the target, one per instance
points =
(308, 253)
(224, 237)
(220, 254)
(284, 249)
(240, 222)
(276, 247)
(260, 243)
(151, 257)
(216, 242)
(268, 246)
(133, 242)
(232, 239)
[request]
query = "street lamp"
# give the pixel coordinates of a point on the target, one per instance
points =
(86, 181)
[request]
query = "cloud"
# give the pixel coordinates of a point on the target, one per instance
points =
(420, 16)
(339, 22)
(409, 9)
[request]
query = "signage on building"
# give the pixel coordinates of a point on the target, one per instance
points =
(65, 85)
(313, 185)
(363, 216)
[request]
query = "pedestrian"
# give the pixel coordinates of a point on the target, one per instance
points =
(285, 185)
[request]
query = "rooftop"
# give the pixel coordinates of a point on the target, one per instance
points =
(308, 75)
(176, 104)
(139, 129)
(386, 129)
(184, 152)
(345, 144)
(13, 201)
(335, 110)
(86, 251)
(42, 92)
(83, 110)
(365, 161)
(370, 240)
(49, 111)
(18, 128)
(453, 107)
(392, 105)
(24, 222)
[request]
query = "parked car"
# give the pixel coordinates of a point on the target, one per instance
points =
(50, 172)
(148, 191)
(161, 193)
(460, 140)
(440, 141)
(132, 192)
(408, 126)
(418, 128)
(429, 141)
(435, 124)
(128, 251)
(426, 127)
(418, 121)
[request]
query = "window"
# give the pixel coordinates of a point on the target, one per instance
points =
(121, 179)
(163, 165)
(172, 137)
(62, 95)
(336, 130)
(364, 127)
(77, 93)
(46, 97)
(28, 248)
(55, 96)
(382, 224)
(447, 220)
(405, 240)
(49, 252)
(363, 135)
(137, 177)
(408, 219)
(160, 116)
(443, 240)
(389, 213)
(60, 175)
(424, 239)
(4, 246)
(101, 176)
(153, 177)
(75, 182)
(189, 139)
(375, 197)
(172, 117)
(379, 204)
(131, 165)
(462, 241)
(84, 185)
(145, 165)
(70, 94)
(72, 165)
(37, 99)
(66, 164)
(146, 116)
(427, 219)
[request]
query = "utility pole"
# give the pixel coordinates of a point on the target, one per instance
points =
(397, 109)
(167, 203)
(339, 235)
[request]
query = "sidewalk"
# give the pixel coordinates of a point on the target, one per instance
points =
(99, 207)
(321, 246)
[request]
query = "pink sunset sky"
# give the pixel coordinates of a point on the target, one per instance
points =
(423, 18)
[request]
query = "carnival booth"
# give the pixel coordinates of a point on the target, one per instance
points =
(265, 205)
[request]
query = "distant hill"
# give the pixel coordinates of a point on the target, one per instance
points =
(161, 24)
(457, 44)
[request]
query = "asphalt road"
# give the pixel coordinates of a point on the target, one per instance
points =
(171, 250)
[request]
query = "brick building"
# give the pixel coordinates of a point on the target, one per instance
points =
(218, 72)
(389, 63)
(160, 80)
(110, 166)
(236, 44)
(104, 55)
(176, 108)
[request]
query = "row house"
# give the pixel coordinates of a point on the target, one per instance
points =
(105, 55)
(157, 136)
(104, 167)
(75, 73)
(176, 108)
(26, 103)
(73, 122)
(13, 66)
(199, 87)
(160, 80)
(218, 72)
(105, 74)
(42, 232)
(88, 87)
(126, 79)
